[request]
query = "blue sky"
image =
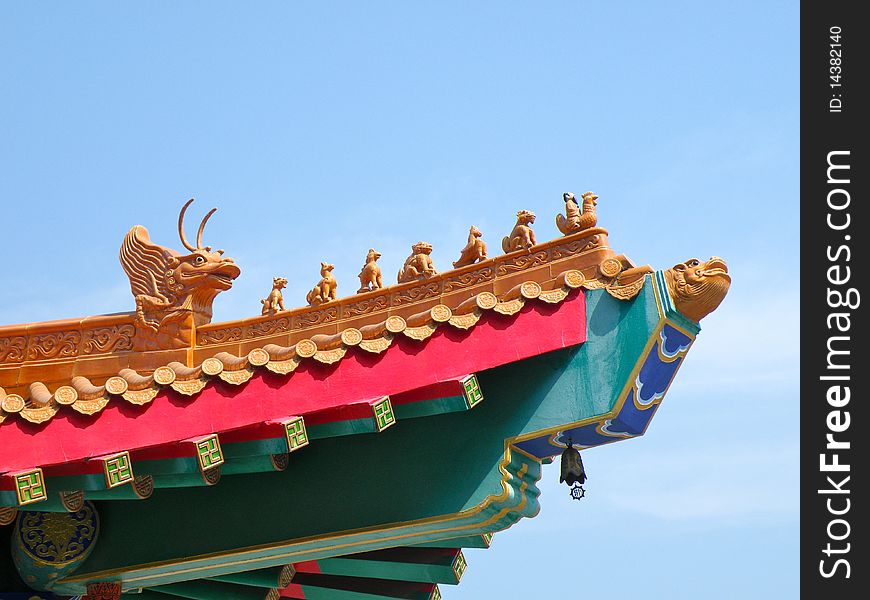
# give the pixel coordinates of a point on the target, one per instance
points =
(320, 131)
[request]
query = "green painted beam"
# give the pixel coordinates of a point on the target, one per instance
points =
(90, 481)
(471, 541)
(214, 590)
(428, 408)
(425, 565)
(273, 577)
(342, 428)
(52, 502)
(167, 466)
(248, 464)
(181, 480)
(147, 595)
(264, 447)
(122, 492)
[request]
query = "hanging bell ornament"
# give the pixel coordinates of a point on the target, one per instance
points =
(573, 474)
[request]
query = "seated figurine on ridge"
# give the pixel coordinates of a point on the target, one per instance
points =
(275, 300)
(370, 275)
(576, 220)
(522, 237)
(418, 265)
(474, 251)
(324, 291)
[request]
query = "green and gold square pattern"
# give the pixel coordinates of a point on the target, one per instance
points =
(297, 436)
(471, 390)
(208, 452)
(383, 412)
(459, 566)
(118, 469)
(30, 486)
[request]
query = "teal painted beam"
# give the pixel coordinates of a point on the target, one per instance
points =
(52, 503)
(215, 590)
(425, 565)
(273, 577)
(471, 541)
(147, 595)
(264, 447)
(89, 481)
(342, 428)
(138, 490)
(250, 464)
(428, 408)
(167, 466)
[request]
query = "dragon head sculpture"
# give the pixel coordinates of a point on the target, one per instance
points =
(174, 292)
(698, 287)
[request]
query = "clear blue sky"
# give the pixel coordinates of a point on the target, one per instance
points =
(320, 131)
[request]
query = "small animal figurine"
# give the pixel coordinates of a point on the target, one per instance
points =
(419, 265)
(275, 300)
(474, 251)
(576, 220)
(324, 291)
(370, 275)
(522, 237)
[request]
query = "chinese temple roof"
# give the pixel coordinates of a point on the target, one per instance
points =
(575, 343)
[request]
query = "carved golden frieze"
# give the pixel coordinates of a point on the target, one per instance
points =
(416, 294)
(364, 307)
(13, 349)
(315, 317)
(468, 279)
(63, 344)
(522, 262)
(104, 340)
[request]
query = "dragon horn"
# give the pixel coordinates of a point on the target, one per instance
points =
(181, 226)
(202, 227)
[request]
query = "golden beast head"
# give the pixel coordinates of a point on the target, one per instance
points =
(698, 287)
(525, 217)
(421, 248)
(163, 280)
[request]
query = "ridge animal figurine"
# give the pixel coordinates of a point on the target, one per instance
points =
(174, 292)
(522, 237)
(474, 251)
(370, 275)
(275, 300)
(324, 291)
(418, 265)
(576, 220)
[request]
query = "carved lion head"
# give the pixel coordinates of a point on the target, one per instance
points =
(421, 248)
(698, 287)
(525, 217)
(589, 197)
